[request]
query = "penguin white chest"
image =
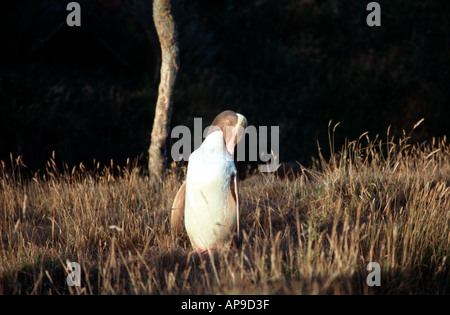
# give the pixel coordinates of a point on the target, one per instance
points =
(210, 213)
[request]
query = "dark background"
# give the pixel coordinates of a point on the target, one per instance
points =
(89, 92)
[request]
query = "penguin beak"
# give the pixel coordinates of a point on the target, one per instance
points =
(231, 140)
(234, 134)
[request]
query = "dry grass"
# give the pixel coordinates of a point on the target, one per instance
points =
(372, 201)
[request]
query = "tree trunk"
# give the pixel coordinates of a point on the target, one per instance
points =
(165, 27)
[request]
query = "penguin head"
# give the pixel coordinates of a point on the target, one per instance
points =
(232, 125)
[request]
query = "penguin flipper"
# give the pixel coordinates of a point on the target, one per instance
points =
(178, 209)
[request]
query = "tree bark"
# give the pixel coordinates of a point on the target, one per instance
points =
(167, 34)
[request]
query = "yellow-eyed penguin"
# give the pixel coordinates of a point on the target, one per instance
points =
(209, 197)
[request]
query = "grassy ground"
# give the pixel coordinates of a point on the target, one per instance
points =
(373, 201)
